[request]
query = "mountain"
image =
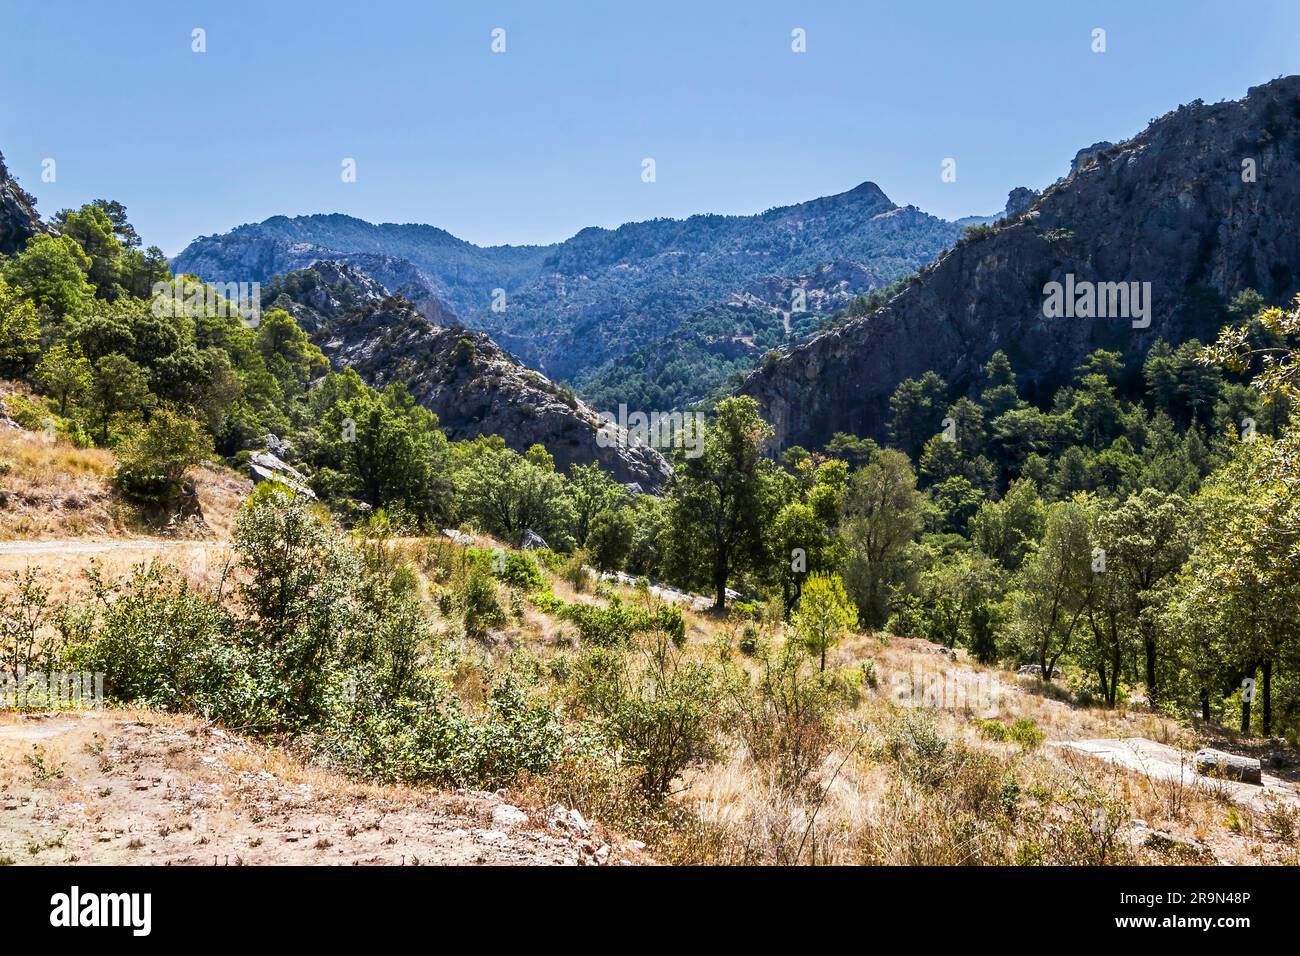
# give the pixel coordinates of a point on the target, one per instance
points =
(473, 385)
(1200, 205)
(567, 308)
(18, 218)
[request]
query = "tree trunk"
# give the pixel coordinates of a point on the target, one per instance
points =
(1149, 645)
(1267, 715)
(1205, 705)
(1245, 714)
(720, 581)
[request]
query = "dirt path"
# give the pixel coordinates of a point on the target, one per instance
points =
(81, 546)
(123, 787)
(1168, 763)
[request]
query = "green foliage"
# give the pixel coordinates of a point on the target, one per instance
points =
(20, 331)
(520, 570)
(721, 500)
(660, 708)
(611, 537)
(52, 272)
(152, 459)
(824, 614)
(618, 623)
(508, 494)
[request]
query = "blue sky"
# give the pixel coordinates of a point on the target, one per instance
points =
(533, 144)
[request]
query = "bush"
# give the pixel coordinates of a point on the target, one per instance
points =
(153, 458)
(915, 743)
(520, 571)
(429, 739)
(479, 606)
(1026, 733)
(617, 623)
(660, 709)
(787, 719)
(161, 645)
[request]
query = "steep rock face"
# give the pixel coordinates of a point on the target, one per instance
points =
(18, 218)
(476, 388)
(1170, 207)
(473, 385)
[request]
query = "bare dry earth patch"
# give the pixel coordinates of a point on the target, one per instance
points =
(125, 787)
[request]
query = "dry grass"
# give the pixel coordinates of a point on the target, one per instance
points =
(54, 490)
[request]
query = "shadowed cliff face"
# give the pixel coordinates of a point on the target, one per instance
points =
(1174, 207)
(18, 218)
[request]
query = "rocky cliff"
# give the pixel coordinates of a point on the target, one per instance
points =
(473, 385)
(1201, 205)
(18, 218)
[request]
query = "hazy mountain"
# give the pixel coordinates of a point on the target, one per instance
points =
(570, 307)
(473, 385)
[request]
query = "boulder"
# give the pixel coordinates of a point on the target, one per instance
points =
(264, 466)
(532, 541)
(1217, 763)
(507, 817)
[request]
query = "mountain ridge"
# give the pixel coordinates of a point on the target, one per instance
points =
(1171, 207)
(570, 306)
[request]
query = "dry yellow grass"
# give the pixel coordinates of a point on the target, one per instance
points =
(55, 490)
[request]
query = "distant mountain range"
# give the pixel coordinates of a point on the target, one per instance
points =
(574, 308)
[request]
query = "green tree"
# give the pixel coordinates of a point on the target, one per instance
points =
(883, 513)
(610, 539)
(51, 271)
(20, 331)
(916, 412)
(592, 492)
(1055, 585)
(509, 494)
(1145, 539)
(720, 501)
(64, 373)
(824, 614)
(118, 386)
(152, 458)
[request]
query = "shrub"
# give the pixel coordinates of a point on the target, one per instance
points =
(521, 571)
(27, 641)
(1026, 733)
(617, 623)
(477, 598)
(660, 709)
(921, 753)
(153, 458)
(429, 739)
(787, 719)
(993, 729)
(161, 645)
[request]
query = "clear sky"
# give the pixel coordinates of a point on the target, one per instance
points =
(532, 144)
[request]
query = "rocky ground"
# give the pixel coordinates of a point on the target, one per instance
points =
(118, 787)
